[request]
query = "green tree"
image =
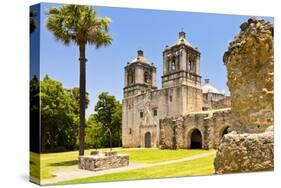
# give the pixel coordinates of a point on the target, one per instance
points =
(76, 94)
(32, 22)
(79, 24)
(108, 113)
(34, 114)
(94, 137)
(59, 122)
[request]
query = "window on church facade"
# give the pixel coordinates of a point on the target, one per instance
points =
(141, 114)
(171, 98)
(155, 112)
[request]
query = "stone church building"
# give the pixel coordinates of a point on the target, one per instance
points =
(182, 114)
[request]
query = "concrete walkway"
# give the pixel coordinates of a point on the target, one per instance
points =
(75, 173)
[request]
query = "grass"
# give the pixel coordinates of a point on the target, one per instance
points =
(154, 155)
(201, 166)
(42, 166)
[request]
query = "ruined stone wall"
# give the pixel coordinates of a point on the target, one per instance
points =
(249, 63)
(211, 124)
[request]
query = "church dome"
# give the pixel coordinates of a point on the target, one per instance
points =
(208, 88)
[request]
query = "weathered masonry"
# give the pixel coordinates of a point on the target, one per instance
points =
(195, 130)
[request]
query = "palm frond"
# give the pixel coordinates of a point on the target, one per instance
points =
(79, 24)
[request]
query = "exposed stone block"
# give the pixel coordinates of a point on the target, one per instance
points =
(245, 152)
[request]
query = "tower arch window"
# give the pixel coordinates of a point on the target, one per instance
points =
(178, 61)
(190, 65)
(131, 77)
(146, 77)
(173, 65)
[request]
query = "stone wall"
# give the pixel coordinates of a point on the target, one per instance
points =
(245, 152)
(101, 162)
(223, 103)
(211, 124)
(249, 62)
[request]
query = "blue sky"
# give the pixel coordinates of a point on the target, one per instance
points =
(133, 29)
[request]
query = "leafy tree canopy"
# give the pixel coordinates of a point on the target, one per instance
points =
(105, 120)
(59, 118)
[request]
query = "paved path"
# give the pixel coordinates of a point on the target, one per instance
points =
(75, 173)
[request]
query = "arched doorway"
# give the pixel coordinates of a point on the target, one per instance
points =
(147, 140)
(196, 139)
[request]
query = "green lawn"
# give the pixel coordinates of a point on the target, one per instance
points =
(153, 155)
(44, 164)
(53, 161)
(202, 166)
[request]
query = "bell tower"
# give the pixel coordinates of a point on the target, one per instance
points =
(181, 76)
(181, 64)
(140, 76)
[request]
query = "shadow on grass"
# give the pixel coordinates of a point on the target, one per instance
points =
(65, 163)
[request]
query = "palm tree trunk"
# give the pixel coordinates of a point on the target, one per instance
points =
(82, 91)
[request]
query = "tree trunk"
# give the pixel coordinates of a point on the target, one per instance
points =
(110, 139)
(82, 92)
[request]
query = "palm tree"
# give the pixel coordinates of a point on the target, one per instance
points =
(79, 24)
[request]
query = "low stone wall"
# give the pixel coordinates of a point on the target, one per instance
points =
(245, 152)
(100, 162)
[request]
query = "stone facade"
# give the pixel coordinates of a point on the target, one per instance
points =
(245, 152)
(144, 105)
(102, 162)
